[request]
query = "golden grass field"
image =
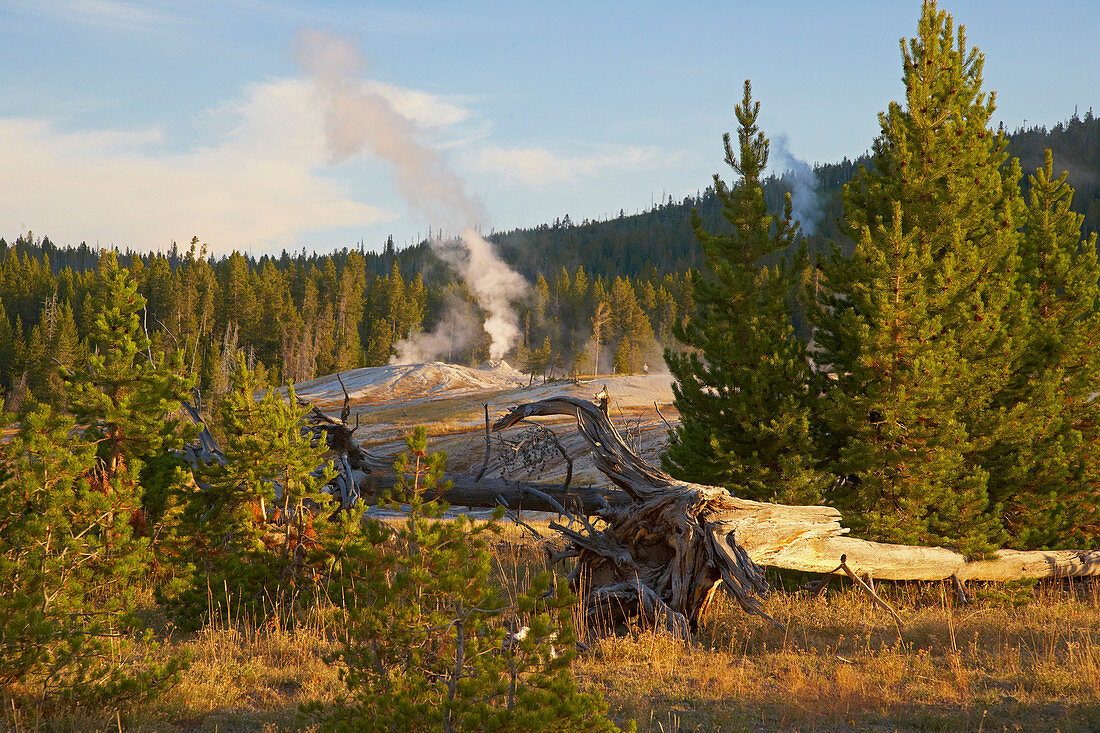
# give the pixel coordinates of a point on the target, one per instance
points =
(1019, 658)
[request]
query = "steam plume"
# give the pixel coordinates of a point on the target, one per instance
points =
(805, 201)
(494, 286)
(454, 332)
(358, 120)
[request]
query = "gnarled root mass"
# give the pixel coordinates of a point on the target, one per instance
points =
(659, 558)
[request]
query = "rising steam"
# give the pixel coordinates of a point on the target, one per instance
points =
(360, 120)
(805, 201)
(493, 284)
(456, 329)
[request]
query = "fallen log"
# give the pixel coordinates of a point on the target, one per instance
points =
(681, 542)
(904, 562)
(806, 538)
(467, 490)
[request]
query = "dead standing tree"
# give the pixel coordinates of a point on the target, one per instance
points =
(348, 457)
(662, 556)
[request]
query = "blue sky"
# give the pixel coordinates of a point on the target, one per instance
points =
(139, 123)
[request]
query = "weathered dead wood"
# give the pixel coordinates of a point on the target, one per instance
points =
(348, 457)
(671, 542)
(683, 541)
(207, 452)
(488, 446)
(903, 562)
(612, 456)
(960, 590)
(466, 490)
(617, 604)
(339, 435)
(528, 454)
(867, 587)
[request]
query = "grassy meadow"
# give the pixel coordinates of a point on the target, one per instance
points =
(1018, 658)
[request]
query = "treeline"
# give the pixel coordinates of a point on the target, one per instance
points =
(604, 294)
(295, 318)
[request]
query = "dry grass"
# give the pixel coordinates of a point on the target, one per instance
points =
(244, 676)
(840, 665)
(1021, 659)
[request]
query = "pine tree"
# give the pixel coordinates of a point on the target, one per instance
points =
(664, 315)
(391, 312)
(275, 313)
(743, 394)
(67, 576)
(538, 361)
(633, 332)
(192, 305)
(236, 301)
(126, 394)
(18, 395)
(349, 312)
(918, 322)
(424, 646)
(1045, 467)
(601, 319)
(252, 524)
(53, 343)
(7, 350)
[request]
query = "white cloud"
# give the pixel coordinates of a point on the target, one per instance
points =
(536, 166)
(424, 109)
(103, 13)
(263, 178)
(259, 185)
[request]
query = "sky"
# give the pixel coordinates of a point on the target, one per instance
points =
(139, 124)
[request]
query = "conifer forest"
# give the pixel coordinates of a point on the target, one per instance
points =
(894, 391)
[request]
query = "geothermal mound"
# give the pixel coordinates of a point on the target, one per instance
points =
(407, 383)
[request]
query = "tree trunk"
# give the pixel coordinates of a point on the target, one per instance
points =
(467, 490)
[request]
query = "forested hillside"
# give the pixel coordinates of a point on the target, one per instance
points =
(609, 289)
(298, 317)
(661, 239)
